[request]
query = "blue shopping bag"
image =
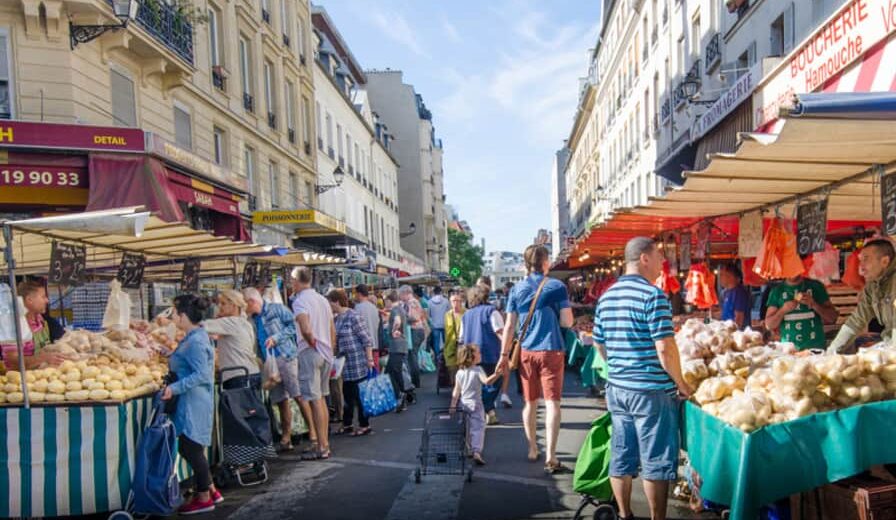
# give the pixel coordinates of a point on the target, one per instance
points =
(155, 487)
(377, 394)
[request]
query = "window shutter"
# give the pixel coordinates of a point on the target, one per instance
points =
(124, 107)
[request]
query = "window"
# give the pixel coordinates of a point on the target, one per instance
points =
(309, 194)
(284, 22)
(348, 151)
(219, 138)
(245, 73)
(124, 104)
(269, 92)
(746, 59)
(293, 190)
(183, 127)
(330, 135)
(339, 142)
(249, 161)
(290, 114)
(6, 103)
(781, 34)
(306, 121)
(300, 39)
(696, 34)
(682, 55)
(214, 37)
(274, 184)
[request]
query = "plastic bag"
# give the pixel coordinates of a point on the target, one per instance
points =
(406, 377)
(426, 361)
(778, 257)
(826, 265)
(377, 395)
(337, 368)
(118, 308)
(668, 283)
(851, 276)
(270, 372)
(7, 317)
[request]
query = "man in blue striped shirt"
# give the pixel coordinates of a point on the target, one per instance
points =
(633, 330)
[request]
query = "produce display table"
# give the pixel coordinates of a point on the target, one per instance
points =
(70, 460)
(774, 462)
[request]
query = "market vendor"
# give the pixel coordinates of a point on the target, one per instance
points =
(800, 307)
(736, 298)
(34, 294)
(877, 299)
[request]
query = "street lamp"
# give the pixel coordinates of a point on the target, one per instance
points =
(124, 10)
(338, 176)
(411, 230)
(690, 90)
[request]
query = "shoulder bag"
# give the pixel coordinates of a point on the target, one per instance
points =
(517, 347)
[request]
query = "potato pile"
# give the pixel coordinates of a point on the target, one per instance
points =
(122, 345)
(791, 387)
(100, 379)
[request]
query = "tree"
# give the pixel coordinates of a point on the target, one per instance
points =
(464, 258)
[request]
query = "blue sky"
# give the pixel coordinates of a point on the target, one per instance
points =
(501, 78)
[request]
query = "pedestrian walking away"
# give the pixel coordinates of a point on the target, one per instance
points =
(633, 330)
(354, 343)
(366, 307)
(438, 308)
(398, 347)
(468, 391)
(417, 318)
(481, 325)
(539, 306)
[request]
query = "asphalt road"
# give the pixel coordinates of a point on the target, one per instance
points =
(372, 477)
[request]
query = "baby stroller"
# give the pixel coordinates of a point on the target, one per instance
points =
(591, 478)
(245, 433)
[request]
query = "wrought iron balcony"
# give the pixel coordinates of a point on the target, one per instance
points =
(291, 135)
(307, 148)
(248, 102)
(272, 120)
(713, 51)
(666, 111)
(219, 80)
(286, 40)
(253, 202)
(170, 28)
(266, 16)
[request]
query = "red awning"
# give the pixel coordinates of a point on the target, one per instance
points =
(199, 193)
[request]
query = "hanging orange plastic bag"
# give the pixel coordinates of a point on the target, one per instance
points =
(701, 287)
(668, 283)
(778, 257)
(751, 278)
(851, 276)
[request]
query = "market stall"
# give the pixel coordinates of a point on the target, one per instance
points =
(80, 421)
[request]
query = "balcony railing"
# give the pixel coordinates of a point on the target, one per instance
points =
(168, 26)
(253, 202)
(266, 16)
(666, 110)
(308, 148)
(713, 51)
(291, 135)
(218, 79)
(286, 40)
(248, 102)
(272, 120)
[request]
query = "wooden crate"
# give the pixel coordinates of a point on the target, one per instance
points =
(858, 498)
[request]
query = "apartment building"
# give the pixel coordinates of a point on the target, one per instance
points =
(421, 196)
(221, 94)
(359, 175)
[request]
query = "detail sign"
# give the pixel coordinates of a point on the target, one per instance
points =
(27, 134)
(858, 26)
(811, 227)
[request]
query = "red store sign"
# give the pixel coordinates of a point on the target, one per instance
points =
(70, 137)
(847, 36)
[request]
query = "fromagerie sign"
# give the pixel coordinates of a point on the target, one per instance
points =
(857, 27)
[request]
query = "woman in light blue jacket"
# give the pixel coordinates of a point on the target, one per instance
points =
(193, 363)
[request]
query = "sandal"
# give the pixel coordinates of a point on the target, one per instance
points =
(317, 455)
(284, 446)
(360, 432)
(554, 468)
(313, 447)
(533, 458)
(345, 430)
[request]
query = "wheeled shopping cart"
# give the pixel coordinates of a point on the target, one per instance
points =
(443, 446)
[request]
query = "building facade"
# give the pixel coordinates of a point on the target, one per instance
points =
(504, 267)
(671, 81)
(421, 196)
(559, 203)
(223, 95)
(354, 142)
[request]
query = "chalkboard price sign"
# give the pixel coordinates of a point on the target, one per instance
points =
(811, 227)
(190, 279)
(250, 274)
(888, 203)
(67, 264)
(130, 271)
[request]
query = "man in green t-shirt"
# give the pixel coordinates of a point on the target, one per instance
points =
(800, 308)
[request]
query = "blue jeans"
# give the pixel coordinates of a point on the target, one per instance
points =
(645, 433)
(438, 341)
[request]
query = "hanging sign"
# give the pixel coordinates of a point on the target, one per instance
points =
(749, 240)
(811, 227)
(685, 263)
(190, 279)
(67, 264)
(250, 274)
(888, 204)
(130, 271)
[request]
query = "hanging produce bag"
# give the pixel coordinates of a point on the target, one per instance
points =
(825, 265)
(750, 277)
(851, 276)
(270, 372)
(778, 257)
(7, 318)
(667, 282)
(701, 287)
(118, 308)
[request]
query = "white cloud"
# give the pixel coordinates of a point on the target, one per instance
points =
(397, 28)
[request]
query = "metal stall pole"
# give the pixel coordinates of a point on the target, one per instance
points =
(11, 266)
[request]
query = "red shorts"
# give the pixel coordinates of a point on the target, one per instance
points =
(542, 374)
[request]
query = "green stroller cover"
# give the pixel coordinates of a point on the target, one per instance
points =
(592, 473)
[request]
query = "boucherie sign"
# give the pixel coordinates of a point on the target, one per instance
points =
(849, 34)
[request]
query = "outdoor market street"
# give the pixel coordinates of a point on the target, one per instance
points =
(372, 477)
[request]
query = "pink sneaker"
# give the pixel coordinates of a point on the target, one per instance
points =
(196, 506)
(217, 497)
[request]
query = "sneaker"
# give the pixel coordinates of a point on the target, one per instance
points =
(492, 418)
(196, 506)
(505, 400)
(217, 497)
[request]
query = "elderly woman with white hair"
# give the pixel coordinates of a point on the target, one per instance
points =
(275, 333)
(236, 341)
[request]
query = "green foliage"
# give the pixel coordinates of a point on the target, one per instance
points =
(185, 10)
(464, 256)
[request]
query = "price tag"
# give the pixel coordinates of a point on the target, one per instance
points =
(888, 204)
(811, 227)
(190, 278)
(130, 271)
(67, 264)
(250, 274)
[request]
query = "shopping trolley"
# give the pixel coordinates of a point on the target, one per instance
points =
(443, 446)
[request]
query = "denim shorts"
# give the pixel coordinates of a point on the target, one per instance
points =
(645, 433)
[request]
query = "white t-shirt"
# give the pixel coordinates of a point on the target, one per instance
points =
(470, 381)
(318, 309)
(496, 319)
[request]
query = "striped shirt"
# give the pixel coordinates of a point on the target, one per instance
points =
(630, 317)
